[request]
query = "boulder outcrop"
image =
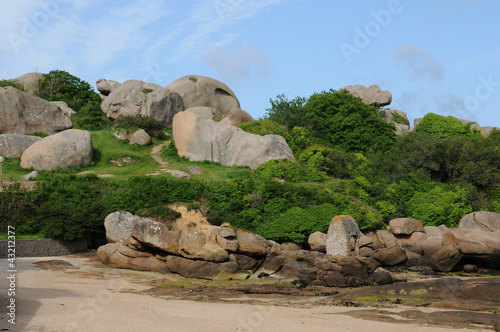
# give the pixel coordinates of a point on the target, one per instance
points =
(204, 91)
(199, 139)
(13, 145)
(22, 113)
(30, 81)
(64, 150)
(398, 118)
(140, 137)
(372, 95)
(210, 251)
(105, 87)
(139, 98)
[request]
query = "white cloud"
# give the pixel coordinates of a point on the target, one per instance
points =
(233, 66)
(418, 62)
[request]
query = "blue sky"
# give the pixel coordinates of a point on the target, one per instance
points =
(434, 56)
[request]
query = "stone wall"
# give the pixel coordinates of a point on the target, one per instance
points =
(43, 247)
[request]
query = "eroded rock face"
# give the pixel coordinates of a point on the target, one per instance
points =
(13, 145)
(398, 118)
(22, 113)
(372, 95)
(139, 98)
(199, 139)
(64, 150)
(118, 226)
(481, 221)
(204, 91)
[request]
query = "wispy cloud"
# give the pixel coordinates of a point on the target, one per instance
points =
(234, 66)
(418, 62)
(208, 24)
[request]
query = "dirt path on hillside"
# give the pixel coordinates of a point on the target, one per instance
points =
(155, 154)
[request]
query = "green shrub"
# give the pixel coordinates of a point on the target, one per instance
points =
(438, 207)
(288, 170)
(39, 134)
(5, 83)
(347, 122)
(159, 213)
(400, 119)
(297, 224)
(132, 123)
(443, 126)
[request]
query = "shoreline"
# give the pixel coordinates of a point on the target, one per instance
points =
(54, 296)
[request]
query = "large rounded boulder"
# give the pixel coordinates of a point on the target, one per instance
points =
(204, 91)
(139, 98)
(199, 139)
(22, 113)
(372, 95)
(64, 150)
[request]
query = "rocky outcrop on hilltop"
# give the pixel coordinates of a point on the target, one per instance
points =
(372, 95)
(199, 138)
(30, 81)
(140, 98)
(22, 113)
(398, 118)
(204, 91)
(64, 150)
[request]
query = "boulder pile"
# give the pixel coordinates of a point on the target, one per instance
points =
(408, 243)
(199, 250)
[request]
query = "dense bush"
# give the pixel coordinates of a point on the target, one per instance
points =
(347, 122)
(443, 126)
(438, 207)
(5, 83)
(297, 224)
(132, 123)
(289, 170)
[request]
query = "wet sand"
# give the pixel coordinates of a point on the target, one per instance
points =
(93, 298)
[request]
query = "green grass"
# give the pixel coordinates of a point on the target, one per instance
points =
(12, 170)
(108, 148)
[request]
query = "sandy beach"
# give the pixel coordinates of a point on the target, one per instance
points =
(89, 298)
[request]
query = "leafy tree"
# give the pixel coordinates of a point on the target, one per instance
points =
(78, 94)
(288, 113)
(347, 122)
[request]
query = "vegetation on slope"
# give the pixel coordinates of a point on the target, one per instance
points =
(347, 161)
